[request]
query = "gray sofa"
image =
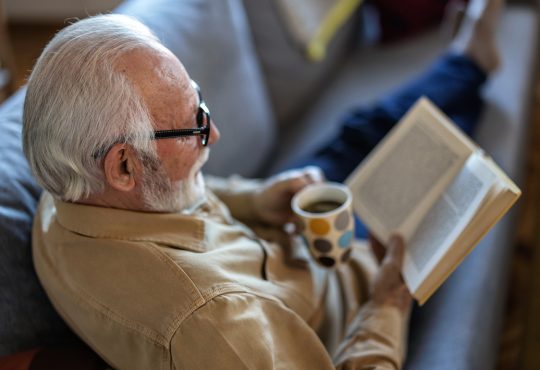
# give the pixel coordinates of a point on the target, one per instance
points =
(274, 107)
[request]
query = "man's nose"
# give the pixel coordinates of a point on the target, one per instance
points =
(214, 134)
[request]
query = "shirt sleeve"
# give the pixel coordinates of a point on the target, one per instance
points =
(245, 331)
(237, 194)
(374, 340)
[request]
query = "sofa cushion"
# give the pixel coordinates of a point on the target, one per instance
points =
(28, 319)
(293, 82)
(313, 24)
(211, 38)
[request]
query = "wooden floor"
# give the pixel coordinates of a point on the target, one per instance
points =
(520, 340)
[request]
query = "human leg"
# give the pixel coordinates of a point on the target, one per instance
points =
(453, 83)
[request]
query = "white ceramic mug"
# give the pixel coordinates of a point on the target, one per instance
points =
(327, 221)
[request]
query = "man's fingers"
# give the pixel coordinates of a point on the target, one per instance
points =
(314, 174)
(299, 179)
(310, 175)
(377, 248)
(298, 224)
(388, 286)
(395, 251)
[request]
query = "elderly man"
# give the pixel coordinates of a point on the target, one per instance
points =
(153, 268)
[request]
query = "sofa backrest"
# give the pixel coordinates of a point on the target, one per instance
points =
(27, 317)
(294, 83)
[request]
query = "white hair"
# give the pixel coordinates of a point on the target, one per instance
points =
(77, 105)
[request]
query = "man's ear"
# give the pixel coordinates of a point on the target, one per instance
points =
(119, 167)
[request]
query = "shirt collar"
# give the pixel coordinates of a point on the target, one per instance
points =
(173, 229)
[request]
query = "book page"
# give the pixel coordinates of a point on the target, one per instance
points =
(404, 176)
(398, 185)
(502, 195)
(446, 220)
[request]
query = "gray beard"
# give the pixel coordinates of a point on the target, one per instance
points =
(160, 194)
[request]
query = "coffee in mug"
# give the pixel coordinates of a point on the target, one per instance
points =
(321, 206)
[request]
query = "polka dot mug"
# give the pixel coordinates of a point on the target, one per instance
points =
(327, 221)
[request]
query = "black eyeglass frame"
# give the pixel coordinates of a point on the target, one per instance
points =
(203, 130)
(203, 113)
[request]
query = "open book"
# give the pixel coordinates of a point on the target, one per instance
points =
(428, 182)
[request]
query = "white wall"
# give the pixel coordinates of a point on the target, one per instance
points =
(55, 10)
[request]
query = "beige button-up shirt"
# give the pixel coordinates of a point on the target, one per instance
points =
(205, 291)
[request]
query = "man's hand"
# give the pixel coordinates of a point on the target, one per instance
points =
(388, 287)
(272, 203)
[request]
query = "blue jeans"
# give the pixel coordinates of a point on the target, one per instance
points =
(453, 83)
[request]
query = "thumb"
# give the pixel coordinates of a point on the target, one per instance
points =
(396, 251)
(314, 173)
(295, 184)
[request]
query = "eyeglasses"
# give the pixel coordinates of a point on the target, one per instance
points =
(203, 123)
(202, 130)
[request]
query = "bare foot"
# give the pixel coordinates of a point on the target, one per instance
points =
(476, 36)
